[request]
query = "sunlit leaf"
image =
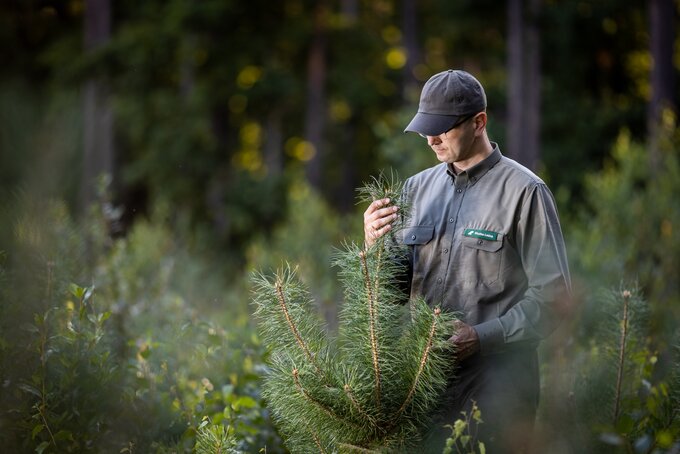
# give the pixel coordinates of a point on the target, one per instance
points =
(76, 290)
(36, 430)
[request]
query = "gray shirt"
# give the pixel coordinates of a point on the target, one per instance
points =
(487, 243)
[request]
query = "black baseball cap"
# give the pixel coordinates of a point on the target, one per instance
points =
(447, 97)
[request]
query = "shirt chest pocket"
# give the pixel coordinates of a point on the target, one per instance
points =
(481, 259)
(418, 235)
(417, 238)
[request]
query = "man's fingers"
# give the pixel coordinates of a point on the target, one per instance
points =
(384, 212)
(374, 206)
(376, 233)
(378, 219)
(382, 221)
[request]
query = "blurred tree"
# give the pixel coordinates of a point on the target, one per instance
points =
(315, 111)
(595, 82)
(98, 149)
(412, 47)
(524, 82)
(211, 100)
(662, 18)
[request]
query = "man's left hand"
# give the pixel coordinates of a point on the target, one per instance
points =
(465, 341)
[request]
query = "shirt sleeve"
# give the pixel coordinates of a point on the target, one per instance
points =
(540, 243)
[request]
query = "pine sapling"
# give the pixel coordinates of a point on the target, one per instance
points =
(622, 353)
(373, 386)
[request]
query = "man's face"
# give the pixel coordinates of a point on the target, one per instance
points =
(456, 144)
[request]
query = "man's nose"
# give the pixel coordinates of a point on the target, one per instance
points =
(432, 140)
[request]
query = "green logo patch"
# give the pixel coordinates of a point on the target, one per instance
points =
(482, 234)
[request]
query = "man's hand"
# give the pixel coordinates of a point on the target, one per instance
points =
(465, 341)
(378, 219)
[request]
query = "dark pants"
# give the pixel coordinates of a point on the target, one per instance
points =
(506, 388)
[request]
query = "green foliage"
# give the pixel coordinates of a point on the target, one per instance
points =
(305, 237)
(134, 361)
(212, 131)
(463, 437)
(374, 386)
(619, 361)
(623, 234)
(214, 439)
(627, 227)
(613, 394)
(68, 412)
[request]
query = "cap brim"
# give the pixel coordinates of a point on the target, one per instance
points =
(431, 124)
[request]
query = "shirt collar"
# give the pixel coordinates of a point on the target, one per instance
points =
(474, 173)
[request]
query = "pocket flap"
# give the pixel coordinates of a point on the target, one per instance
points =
(484, 245)
(421, 234)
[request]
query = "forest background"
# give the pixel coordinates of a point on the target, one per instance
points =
(153, 154)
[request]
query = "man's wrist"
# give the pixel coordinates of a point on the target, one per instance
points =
(490, 335)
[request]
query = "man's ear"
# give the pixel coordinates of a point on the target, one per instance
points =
(480, 122)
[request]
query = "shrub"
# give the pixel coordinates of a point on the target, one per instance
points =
(136, 359)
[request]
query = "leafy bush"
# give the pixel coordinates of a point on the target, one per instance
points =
(598, 398)
(626, 229)
(133, 361)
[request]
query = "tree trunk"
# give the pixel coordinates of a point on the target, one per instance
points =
(524, 83)
(515, 76)
(316, 97)
(187, 70)
(532, 89)
(413, 54)
(98, 148)
(662, 37)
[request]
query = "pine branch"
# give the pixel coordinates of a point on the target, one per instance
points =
(622, 354)
(317, 442)
(354, 448)
(318, 404)
(423, 361)
(287, 318)
(356, 405)
(372, 322)
(376, 285)
(284, 307)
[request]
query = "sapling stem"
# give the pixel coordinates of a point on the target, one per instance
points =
(622, 354)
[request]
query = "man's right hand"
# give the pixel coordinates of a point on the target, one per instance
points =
(378, 219)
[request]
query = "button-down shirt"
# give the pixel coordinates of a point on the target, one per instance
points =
(487, 243)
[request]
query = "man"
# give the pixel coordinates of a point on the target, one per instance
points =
(484, 240)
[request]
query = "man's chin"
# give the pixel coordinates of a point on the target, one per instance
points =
(441, 157)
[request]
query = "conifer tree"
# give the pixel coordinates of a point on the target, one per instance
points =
(373, 386)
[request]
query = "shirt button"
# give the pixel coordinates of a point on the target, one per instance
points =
(450, 219)
(439, 280)
(459, 191)
(473, 179)
(446, 251)
(413, 237)
(480, 242)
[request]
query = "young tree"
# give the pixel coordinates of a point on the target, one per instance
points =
(374, 385)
